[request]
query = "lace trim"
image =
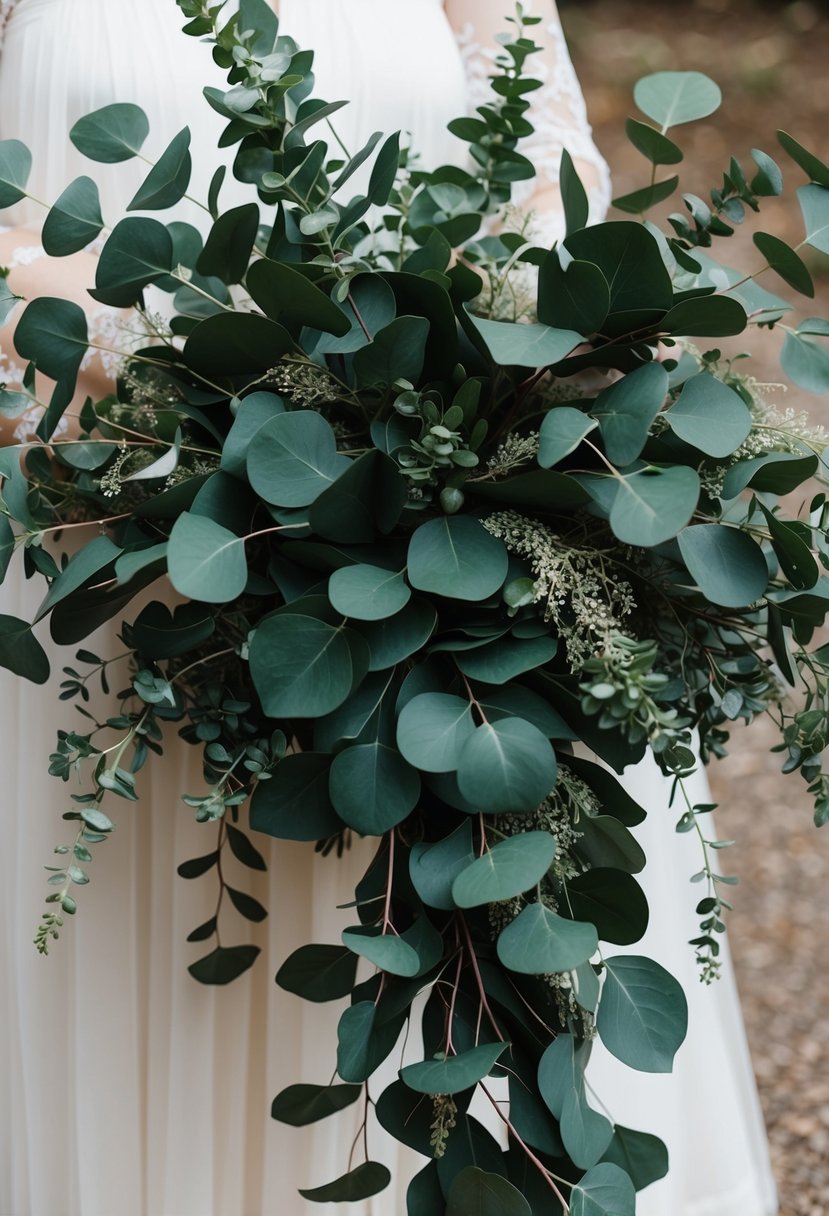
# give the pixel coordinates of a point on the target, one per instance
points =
(559, 115)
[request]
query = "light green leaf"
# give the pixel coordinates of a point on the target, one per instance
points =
(301, 667)
(562, 430)
(434, 867)
(710, 416)
(508, 869)
(505, 766)
(643, 1013)
(74, 220)
(15, 167)
(538, 942)
(294, 459)
(111, 134)
(814, 203)
(626, 410)
(454, 1073)
(206, 562)
(672, 98)
(384, 950)
(368, 593)
(726, 564)
(605, 1190)
(167, 182)
(805, 361)
(456, 557)
(432, 729)
(652, 505)
(519, 345)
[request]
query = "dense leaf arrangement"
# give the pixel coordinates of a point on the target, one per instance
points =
(433, 518)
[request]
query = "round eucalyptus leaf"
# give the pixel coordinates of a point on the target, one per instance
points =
(111, 134)
(224, 964)
(539, 941)
(206, 562)
(611, 900)
(453, 1074)
(710, 416)
(299, 1105)
(508, 657)
(562, 430)
(235, 343)
(300, 667)
(53, 334)
(658, 149)
(138, 251)
(21, 652)
(294, 804)
(368, 593)
(643, 1157)
(434, 867)
(508, 869)
(399, 636)
(726, 564)
(604, 841)
(584, 1132)
(605, 1190)
(578, 295)
(432, 730)
(475, 1192)
(652, 505)
(365, 1180)
(167, 182)
(74, 220)
(626, 410)
(286, 295)
(515, 701)
(710, 316)
(15, 167)
(372, 787)
(673, 98)
(814, 204)
(525, 345)
(806, 362)
(294, 459)
(506, 765)
(384, 950)
(456, 557)
(643, 1013)
(318, 973)
(254, 411)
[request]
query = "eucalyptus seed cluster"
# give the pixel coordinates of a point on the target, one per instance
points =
(579, 587)
(445, 1114)
(515, 451)
(564, 986)
(305, 383)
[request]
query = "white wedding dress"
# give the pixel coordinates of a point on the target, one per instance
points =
(127, 1089)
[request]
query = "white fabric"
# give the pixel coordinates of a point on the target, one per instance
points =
(126, 1089)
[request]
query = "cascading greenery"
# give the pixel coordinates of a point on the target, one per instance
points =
(435, 513)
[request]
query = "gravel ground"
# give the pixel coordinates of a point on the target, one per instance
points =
(770, 61)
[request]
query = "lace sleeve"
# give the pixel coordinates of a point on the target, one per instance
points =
(558, 111)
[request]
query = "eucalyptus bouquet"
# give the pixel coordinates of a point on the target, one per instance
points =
(417, 559)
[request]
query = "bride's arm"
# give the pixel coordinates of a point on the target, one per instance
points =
(557, 112)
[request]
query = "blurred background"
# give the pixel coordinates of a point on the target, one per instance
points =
(772, 62)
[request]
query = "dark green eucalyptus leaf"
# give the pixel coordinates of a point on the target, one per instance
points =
(246, 905)
(286, 295)
(432, 730)
(452, 1074)
(354, 1031)
(474, 1192)
(573, 194)
(167, 182)
(368, 497)
(456, 557)
(630, 259)
(672, 98)
(539, 489)
(53, 334)
(792, 550)
(562, 430)
(434, 867)
(361, 1183)
(138, 251)
(788, 264)
(605, 1190)
(224, 964)
(384, 171)
(508, 869)
(229, 244)
(710, 316)
(74, 220)
(710, 416)
(505, 766)
(815, 169)
(501, 661)
(626, 410)
(21, 652)
(424, 1196)
(15, 167)
(611, 900)
(726, 564)
(775, 473)
(658, 149)
(643, 1157)
(294, 459)
(539, 941)
(399, 636)
(653, 505)
(372, 787)
(639, 201)
(112, 134)
(397, 352)
(643, 1013)
(294, 804)
(605, 841)
(242, 849)
(299, 1105)
(302, 667)
(253, 412)
(83, 566)
(319, 973)
(578, 296)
